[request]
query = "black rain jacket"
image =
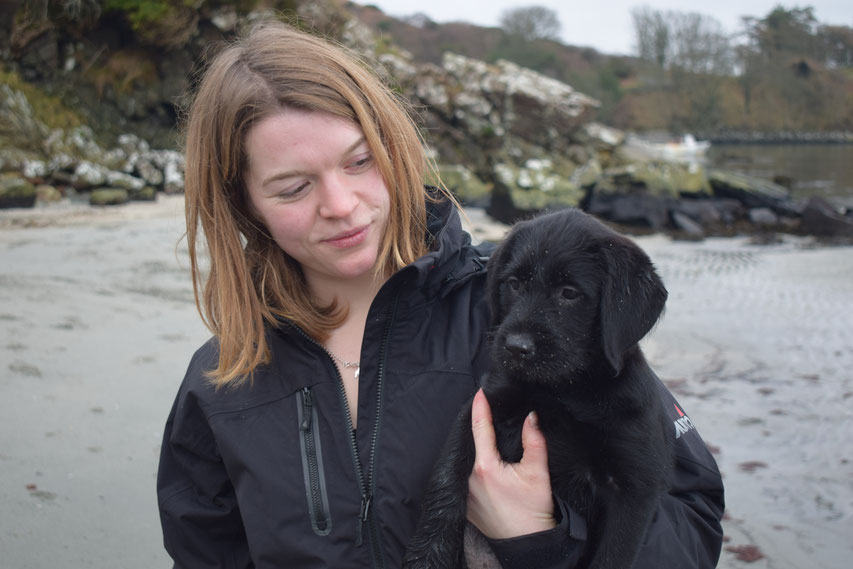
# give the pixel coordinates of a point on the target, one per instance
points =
(274, 474)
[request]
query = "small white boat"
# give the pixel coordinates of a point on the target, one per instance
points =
(686, 147)
(682, 149)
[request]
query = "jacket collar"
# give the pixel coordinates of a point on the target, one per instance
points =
(452, 260)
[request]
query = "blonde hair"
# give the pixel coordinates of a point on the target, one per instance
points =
(251, 282)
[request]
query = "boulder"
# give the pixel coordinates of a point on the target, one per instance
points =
(752, 192)
(15, 191)
(34, 168)
(173, 172)
(763, 217)
(710, 212)
(108, 196)
(144, 169)
(47, 193)
(465, 185)
(88, 175)
(657, 178)
(685, 224)
(639, 208)
(522, 191)
(131, 144)
(125, 181)
(820, 218)
(146, 194)
(78, 143)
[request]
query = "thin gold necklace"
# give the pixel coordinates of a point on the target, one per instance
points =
(346, 364)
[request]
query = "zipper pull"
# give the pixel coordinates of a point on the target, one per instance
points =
(364, 511)
(307, 402)
(365, 508)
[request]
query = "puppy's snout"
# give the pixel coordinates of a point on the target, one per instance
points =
(520, 345)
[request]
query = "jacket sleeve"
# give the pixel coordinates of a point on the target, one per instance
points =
(200, 518)
(685, 531)
(556, 548)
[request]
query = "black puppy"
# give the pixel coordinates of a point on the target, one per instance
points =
(570, 299)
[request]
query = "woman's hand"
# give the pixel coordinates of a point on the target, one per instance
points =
(508, 500)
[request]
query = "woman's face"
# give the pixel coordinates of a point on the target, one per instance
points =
(313, 182)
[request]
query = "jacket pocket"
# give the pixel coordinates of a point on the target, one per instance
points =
(312, 463)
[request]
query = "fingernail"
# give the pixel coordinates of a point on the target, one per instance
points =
(534, 419)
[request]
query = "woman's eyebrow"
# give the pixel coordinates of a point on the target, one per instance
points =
(294, 173)
(355, 145)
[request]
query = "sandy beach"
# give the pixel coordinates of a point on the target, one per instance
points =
(97, 325)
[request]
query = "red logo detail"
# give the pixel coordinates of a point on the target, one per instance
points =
(680, 412)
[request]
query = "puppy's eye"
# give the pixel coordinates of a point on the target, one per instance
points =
(513, 283)
(570, 293)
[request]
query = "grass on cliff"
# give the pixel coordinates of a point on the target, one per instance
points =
(48, 109)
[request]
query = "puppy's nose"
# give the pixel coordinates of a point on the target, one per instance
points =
(520, 345)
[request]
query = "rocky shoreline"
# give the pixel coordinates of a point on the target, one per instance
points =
(78, 166)
(503, 137)
(782, 137)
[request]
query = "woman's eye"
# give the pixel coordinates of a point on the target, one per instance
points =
(293, 191)
(361, 163)
(570, 293)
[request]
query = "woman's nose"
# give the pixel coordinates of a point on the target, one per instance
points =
(338, 197)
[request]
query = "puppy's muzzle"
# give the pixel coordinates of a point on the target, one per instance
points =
(520, 345)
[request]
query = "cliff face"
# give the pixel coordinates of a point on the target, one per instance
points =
(112, 72)
(91, 95)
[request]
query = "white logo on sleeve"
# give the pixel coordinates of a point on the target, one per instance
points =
(683, 423)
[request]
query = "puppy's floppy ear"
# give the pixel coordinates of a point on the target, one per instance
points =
(499, 258)
(632, 299)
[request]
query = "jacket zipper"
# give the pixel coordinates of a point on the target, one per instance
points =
(312, 463)
(366, 484)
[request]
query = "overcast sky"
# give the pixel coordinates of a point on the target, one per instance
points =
(606, 24)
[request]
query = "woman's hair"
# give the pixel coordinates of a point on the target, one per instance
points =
(251, 281)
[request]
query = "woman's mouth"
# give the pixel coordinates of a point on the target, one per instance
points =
(349, 238)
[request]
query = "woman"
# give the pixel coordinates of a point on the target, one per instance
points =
(348, 313)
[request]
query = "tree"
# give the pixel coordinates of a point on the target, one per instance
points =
(419, 20)
(699, 44)
(691, 42)
(784, 33)
(773, 43)
(653, 37)
(836, 45)
(694, 54)
(531, 23)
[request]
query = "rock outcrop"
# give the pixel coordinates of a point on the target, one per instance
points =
(71, 161)
(514, 130)
(503, 137)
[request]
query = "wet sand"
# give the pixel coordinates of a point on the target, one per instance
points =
(97, 324)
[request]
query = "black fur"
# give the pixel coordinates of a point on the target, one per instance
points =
(570, 299)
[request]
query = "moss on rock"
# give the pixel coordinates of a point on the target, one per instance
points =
(47, 193)
(162, 23)
(47, 109)
(108, 196)
(536, 186)
(466, 186)
(15, 191)
(146, 194)
(659, 179)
